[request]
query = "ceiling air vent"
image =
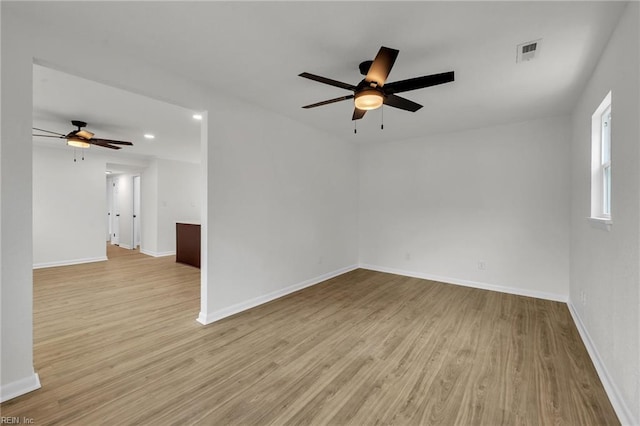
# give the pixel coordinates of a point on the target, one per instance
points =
(528, 51)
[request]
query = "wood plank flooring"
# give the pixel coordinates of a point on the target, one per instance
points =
(117, 343)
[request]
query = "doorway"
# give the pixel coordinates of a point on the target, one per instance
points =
(123, 208)
(93, 192)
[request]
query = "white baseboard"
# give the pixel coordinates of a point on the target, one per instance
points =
(205, 319)
(622, 410)
(69, 262)
(19, 387)
(157, 253)
(467, 283)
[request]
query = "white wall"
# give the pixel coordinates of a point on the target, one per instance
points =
(172, 192)
(438, 206)
(16, 331)
(605, 264)
(69, 207)
(282, 206)
(179, 199)
(149, 209)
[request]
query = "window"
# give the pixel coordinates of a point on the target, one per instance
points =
(601, 161)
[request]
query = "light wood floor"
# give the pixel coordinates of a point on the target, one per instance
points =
(117, 343)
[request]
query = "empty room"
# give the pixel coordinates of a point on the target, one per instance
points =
(410, 213)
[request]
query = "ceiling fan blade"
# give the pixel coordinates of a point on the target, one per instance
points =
(330, 101)
(50, 136)
(328, 81)
(110, 141)
(419, 82)
(401, 103)
(381, 66)
(47, 131)
(100, 142)
(358, 113)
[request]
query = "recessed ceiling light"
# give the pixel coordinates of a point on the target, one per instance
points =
(108, 172)
(149, 136)
(197, 116)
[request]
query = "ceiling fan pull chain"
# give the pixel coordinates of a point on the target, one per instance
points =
(382, 118)
(74, 155)
(355, 130)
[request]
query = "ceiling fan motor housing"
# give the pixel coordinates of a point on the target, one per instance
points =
(364, 67)
(79, 124)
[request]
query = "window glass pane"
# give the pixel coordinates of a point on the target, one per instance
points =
(606, 136)
(606, 185)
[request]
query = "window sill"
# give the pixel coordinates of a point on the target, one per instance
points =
(600, 223)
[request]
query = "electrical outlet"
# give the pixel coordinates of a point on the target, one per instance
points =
(482, 265)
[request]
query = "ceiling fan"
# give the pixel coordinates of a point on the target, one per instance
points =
(372, 92)
(82, 138)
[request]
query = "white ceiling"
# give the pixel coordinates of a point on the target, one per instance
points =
(112, 113)
(255, 50)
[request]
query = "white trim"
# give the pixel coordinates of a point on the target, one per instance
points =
(597, 178)
(205, 319)
(467, 283)
(125, 246)
(19, 387)
(622, 410)
(600, 223)
(157, 254)
(69, 262)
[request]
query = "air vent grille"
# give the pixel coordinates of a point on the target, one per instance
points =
(528, 51)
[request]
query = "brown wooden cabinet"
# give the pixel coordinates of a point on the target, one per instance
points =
(188, 244)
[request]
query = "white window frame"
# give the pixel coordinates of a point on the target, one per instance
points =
(601, 139)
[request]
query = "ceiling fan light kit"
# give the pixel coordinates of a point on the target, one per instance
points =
(368, 99)
(371, 92)
(78, 143)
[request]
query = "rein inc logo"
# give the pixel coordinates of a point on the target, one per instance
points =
(6, 420)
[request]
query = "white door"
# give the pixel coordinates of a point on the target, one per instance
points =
(136, 212)
(109, 191)
(115, 221)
